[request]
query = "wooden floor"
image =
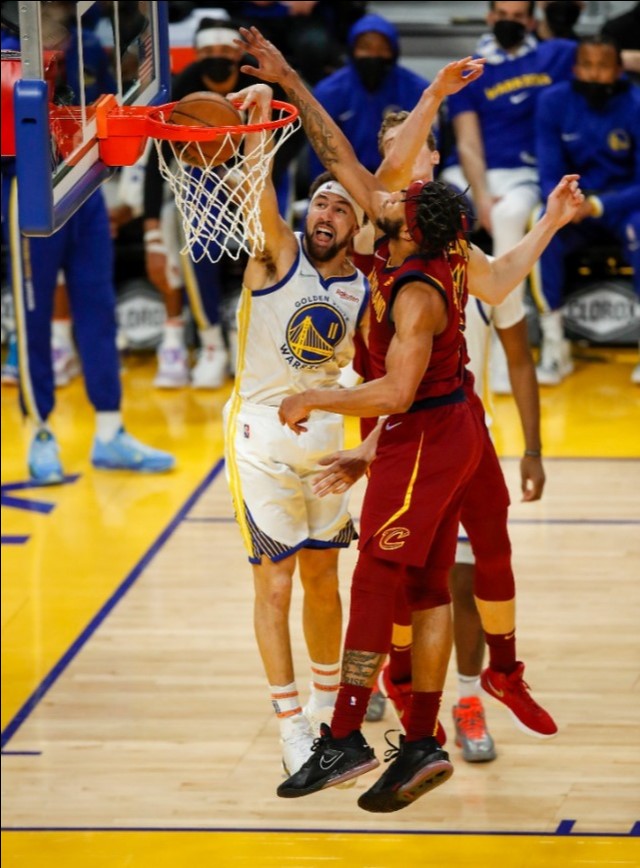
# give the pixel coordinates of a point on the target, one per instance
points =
(136, 727)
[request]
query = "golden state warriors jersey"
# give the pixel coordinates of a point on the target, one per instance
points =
(298, 333)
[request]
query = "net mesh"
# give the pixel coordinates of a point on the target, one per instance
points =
(219, 203)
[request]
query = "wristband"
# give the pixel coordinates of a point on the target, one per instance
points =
(533, 453)
(152, 235)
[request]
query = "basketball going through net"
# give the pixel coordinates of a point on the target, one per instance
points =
(216, 178)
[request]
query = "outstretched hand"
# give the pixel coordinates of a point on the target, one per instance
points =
(564, 201)
(454, 76)
(272, 65)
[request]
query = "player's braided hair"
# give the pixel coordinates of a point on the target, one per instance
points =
(436, 216)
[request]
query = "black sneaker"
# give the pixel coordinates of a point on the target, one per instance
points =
(334, 761)
(417, 767)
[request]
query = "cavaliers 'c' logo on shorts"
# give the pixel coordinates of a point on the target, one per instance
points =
(394, 538)
(314, 331)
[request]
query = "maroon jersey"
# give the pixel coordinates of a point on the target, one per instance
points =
(448, 275)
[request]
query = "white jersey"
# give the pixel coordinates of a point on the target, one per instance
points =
(297, 334)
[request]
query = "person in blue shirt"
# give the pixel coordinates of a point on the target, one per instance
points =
(591, 126)
(493, 123)
(83, 250)
(371, 84)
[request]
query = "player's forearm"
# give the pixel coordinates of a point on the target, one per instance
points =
(525, 393)
(508, 270)
(396, 168)
(472, 160)
(375, 398)
(326, 137)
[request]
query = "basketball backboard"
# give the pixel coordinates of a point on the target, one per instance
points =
(72, 53)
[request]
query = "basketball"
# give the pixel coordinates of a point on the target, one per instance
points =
(207, 109)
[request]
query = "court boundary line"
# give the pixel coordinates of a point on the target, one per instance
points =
(560, 832)
(76, 646)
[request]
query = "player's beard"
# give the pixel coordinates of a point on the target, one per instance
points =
(323, 254)
(391, 228)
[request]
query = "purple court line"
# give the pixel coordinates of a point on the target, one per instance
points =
(48, 682)
(560, 831)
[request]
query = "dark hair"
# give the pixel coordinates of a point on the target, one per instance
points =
(319, 181)
(599, 39)
(436, 216)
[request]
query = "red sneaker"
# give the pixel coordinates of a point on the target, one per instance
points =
(513, 691)
(400, 695)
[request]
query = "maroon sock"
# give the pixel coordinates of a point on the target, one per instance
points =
(423, 715)
(502, 651)
(351, 707)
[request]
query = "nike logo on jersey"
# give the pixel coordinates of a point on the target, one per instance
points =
(517, 98)
(330, 758)
(570, 137)
(391, 425)
(345, 116)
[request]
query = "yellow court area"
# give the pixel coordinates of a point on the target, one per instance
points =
(136, 727)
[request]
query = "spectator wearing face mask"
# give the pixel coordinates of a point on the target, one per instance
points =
(493, 124)
(589, 125)
(372, 83)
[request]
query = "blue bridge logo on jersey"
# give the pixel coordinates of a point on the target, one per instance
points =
(313, 332)
(619, 140)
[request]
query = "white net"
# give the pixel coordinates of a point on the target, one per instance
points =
(219, 203)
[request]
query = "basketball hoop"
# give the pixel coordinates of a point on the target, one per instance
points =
(219, 202)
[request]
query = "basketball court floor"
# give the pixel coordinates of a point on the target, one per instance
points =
(136, 726)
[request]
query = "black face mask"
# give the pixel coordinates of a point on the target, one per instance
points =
(217, 68)
(372, 71)
(597, 94)
(561, 17)
(509, 33)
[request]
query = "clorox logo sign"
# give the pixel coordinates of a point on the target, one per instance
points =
(313, 333)
(605, 311)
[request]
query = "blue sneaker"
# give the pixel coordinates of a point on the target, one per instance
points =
(44, 459)
(10, 372)
(124, 452)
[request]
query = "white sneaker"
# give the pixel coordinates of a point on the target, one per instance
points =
(211, 369)
(555, 364)
(66, 364)
(317, 714)
(173, 368)
(296, 739)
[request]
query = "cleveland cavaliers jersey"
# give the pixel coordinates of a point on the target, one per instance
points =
(297, 334)
(447, 274)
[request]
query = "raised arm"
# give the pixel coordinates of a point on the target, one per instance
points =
(396, 169)
(327, 139)
(493, 279)
(280, 245)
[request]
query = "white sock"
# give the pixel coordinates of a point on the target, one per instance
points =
(468, 685)
(173, 333)
(286, 701)
(211, 337)
(61, 332)
(325, 683)
(108, 423)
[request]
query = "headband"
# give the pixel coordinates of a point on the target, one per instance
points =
(338, 190)
(411, 202)
(216, 36)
